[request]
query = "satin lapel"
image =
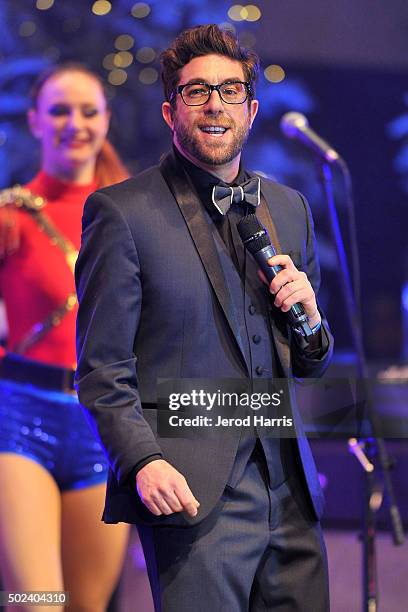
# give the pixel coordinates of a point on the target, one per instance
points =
(191, 209)
(281, 342)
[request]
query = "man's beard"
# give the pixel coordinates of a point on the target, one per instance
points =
(216, 153)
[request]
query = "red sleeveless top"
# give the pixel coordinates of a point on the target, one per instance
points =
(36, 279)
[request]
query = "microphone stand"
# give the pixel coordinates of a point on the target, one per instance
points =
(367, 449)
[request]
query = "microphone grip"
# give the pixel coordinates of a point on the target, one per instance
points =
(296, 315)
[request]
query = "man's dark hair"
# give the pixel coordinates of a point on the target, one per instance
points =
(205, 40)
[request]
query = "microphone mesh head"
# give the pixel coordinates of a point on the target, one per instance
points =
(292, 122)
(253, 234)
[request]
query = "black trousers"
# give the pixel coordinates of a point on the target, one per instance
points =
(260, 549)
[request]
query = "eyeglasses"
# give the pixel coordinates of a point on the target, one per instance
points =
(197, 94)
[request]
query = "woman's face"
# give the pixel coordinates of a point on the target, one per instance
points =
(71, 120)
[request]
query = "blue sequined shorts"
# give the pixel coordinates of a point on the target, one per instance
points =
(50, 428)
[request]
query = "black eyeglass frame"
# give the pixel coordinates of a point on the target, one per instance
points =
(179, 90)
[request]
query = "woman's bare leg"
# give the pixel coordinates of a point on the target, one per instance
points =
(30, 514)
(92, 552)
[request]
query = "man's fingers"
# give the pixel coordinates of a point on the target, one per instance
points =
(153, 508)
(288, 273)
(162, 504)
(192, 508)
(280, 280)
(284, 277)
(281, 260)
(300, 297)
(163, 490)
(158, 504)
(189, 503)
(166, 503)
(291, 288)
(172, 501)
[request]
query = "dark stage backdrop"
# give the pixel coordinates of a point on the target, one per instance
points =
(357, 111)
(361, 111)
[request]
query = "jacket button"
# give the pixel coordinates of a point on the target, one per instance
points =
(259, 370)
(256, 338)
(251, 309)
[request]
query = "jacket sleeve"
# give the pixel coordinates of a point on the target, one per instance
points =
(108, 282)
(312, 364)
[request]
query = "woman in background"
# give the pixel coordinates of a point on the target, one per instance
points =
(52, 469)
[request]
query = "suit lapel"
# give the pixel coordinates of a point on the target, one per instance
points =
(200, 231)
(281, 342)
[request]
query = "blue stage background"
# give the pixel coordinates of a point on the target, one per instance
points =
(360, 107)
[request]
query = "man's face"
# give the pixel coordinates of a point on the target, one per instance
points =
(191, 125)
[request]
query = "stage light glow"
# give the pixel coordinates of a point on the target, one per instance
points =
(253, 12)
(274, 73)
(123, 59)
(405, 299)
(145, 55)
(148, 76)
(237, 12)
(124, 42)
(250, 12)
(117, 76)
(27, 28)
(43, 5)
(108, 61)
(140, 10)
(243, 13)
(101, 7)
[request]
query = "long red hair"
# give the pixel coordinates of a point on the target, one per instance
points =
(109, 168)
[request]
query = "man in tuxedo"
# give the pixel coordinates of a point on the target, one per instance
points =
(167, 290)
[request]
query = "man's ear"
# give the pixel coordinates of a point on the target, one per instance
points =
(253, 110)
(32, 119)
(168, 114)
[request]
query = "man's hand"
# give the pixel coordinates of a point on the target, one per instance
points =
(163, 490)
(291, 286)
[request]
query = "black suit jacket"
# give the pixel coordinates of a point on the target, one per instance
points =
(153, 303)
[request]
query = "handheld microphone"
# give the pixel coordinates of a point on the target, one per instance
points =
(296, 126)
(257, 242)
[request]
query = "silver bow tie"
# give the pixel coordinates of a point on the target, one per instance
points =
(224, 195)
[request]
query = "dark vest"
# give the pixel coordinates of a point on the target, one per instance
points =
(252, 309)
